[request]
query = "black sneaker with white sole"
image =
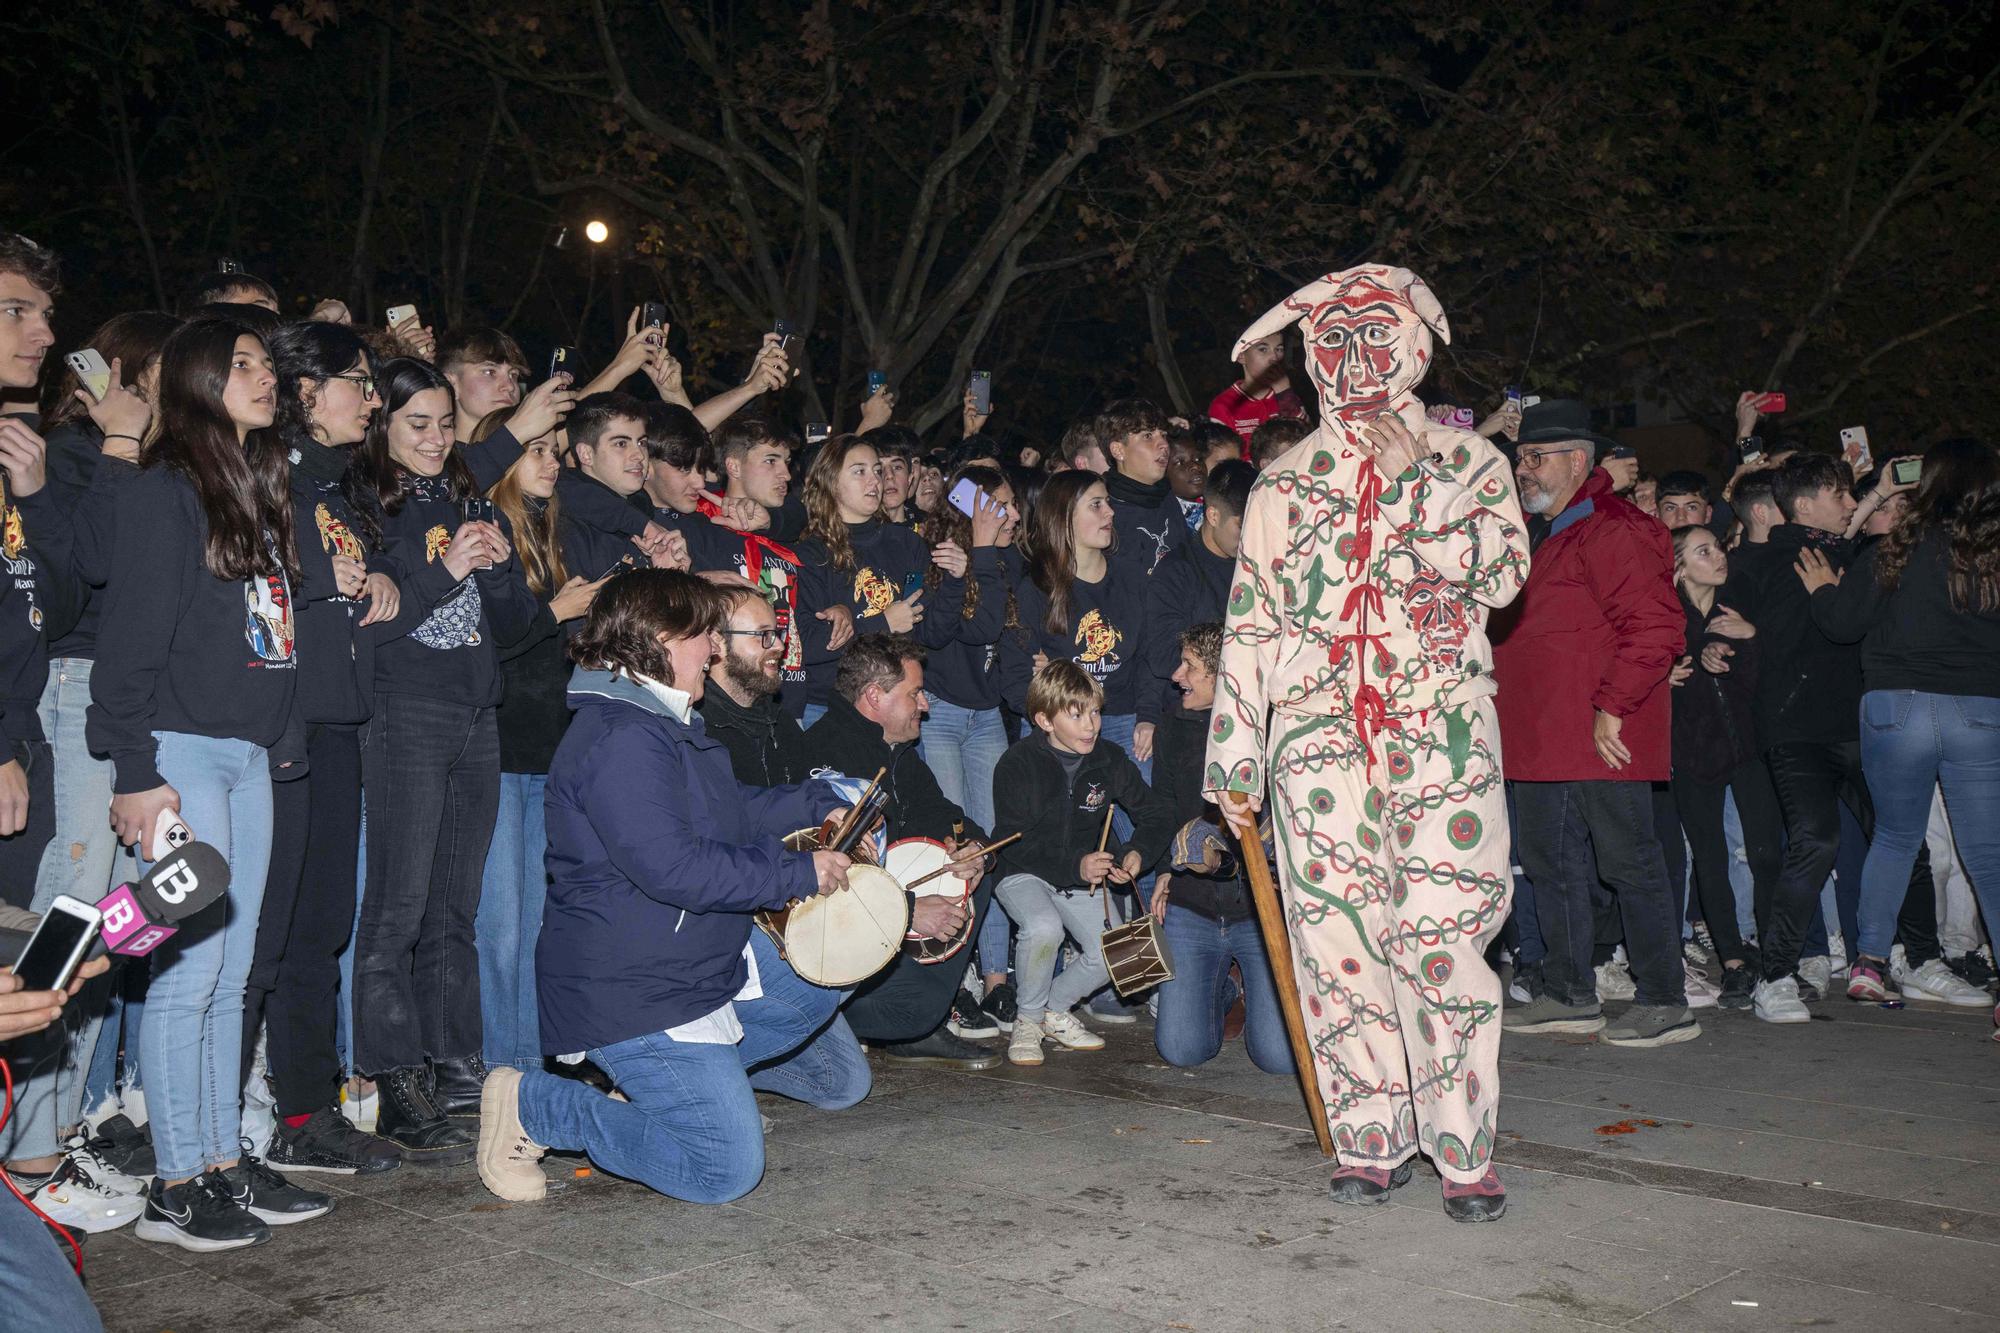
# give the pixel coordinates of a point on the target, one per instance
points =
(268, 1196)
(1000, 1005)
(327, 1143)
(198, 1215)
(969, 1020)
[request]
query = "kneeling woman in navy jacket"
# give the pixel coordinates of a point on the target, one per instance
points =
(649, 963)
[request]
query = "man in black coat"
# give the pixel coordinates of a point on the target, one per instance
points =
(872, 722)
(740, 707)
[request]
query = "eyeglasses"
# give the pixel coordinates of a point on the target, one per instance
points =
(1533, 458)
(367, 382)
(767, 638)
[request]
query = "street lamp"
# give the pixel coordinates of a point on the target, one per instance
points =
(596, 232)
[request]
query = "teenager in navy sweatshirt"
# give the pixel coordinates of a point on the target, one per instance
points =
(346, 602)
(431, 769)
(1078, 606)
(851, 557)
(193, 701)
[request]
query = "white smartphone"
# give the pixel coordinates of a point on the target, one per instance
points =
(56, 949)
(1854, 448)
(398, 313)
(965, 496)
(91, 371)
(169, 836)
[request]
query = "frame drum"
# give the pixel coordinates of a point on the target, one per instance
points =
(909, 860)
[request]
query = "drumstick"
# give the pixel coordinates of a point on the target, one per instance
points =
(1104, 838)
(990, 847)
(847, 824)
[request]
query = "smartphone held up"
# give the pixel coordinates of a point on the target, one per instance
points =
(91, 372)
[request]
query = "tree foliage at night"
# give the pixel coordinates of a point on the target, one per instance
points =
(1086, 199)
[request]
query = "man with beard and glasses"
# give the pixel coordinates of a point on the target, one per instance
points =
(1582, 660)
(740, 709)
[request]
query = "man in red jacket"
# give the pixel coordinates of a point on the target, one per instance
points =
(1582, 660)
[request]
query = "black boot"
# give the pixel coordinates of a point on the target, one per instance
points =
(942, 1049)
(455, 1085)
(410, 1120)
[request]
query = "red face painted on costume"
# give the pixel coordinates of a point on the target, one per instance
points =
(1358, 354)
(1367, 344)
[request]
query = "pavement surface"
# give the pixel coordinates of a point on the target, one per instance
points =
(1844, 1174)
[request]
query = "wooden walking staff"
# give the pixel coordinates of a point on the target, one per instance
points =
(1278, 947)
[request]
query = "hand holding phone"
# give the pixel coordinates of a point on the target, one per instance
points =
(91, 372)
(57, 948)
(1906, 471)
(982, 393)
(1770, 404)
(653, 315)
(559, 362)
(1854, 448)
(399, 315)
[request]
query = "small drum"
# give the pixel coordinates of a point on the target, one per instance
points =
(1137, 955)
(847, 936)
(912, 859)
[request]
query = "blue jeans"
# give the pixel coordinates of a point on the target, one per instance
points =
(691, 1130)
(194, 1012)
(38, 1288)
(511, 899)
(961, 746)
(54, 1091)
(1188, 1028)
(1119, 730)
(1910, 740)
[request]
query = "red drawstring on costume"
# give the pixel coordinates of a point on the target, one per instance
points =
(1364, 601)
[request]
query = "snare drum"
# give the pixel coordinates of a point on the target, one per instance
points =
(910, 860)
(844, 937)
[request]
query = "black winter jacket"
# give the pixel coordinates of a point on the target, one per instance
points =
(1063, 819)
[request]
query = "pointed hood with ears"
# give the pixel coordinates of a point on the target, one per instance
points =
(1347, 364)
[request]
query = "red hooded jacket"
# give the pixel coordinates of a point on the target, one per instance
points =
(1598, 626)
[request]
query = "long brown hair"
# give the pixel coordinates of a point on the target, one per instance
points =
(947, 524)
(1054, 565)
(1958, 498)
(536, 538)
(823, 521)
(245, 495)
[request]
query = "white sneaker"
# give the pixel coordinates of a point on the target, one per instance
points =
(74, 1198)
(1701, 992)
(1778, 1002)
(1819, 972)
(1067, 1031)
(1836, 949)
(1935, 982)
(77, 1149)
(1614, 982)
(361, 1112)
(1024, 1047)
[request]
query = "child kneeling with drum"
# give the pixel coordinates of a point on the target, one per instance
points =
(648, 963)
(1058, 787)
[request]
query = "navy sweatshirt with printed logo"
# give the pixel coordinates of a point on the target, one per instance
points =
(182, 650)
(1106, 636)
(452, 653)
(41, 597)
(1148, 521)
(337, 652)
(889, 565)
(965, 649)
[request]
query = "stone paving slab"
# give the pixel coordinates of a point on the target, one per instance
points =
(1843, 1174)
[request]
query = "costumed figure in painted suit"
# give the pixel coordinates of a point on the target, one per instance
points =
(1356, 689)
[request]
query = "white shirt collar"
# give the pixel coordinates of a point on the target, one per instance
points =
(674, 701)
